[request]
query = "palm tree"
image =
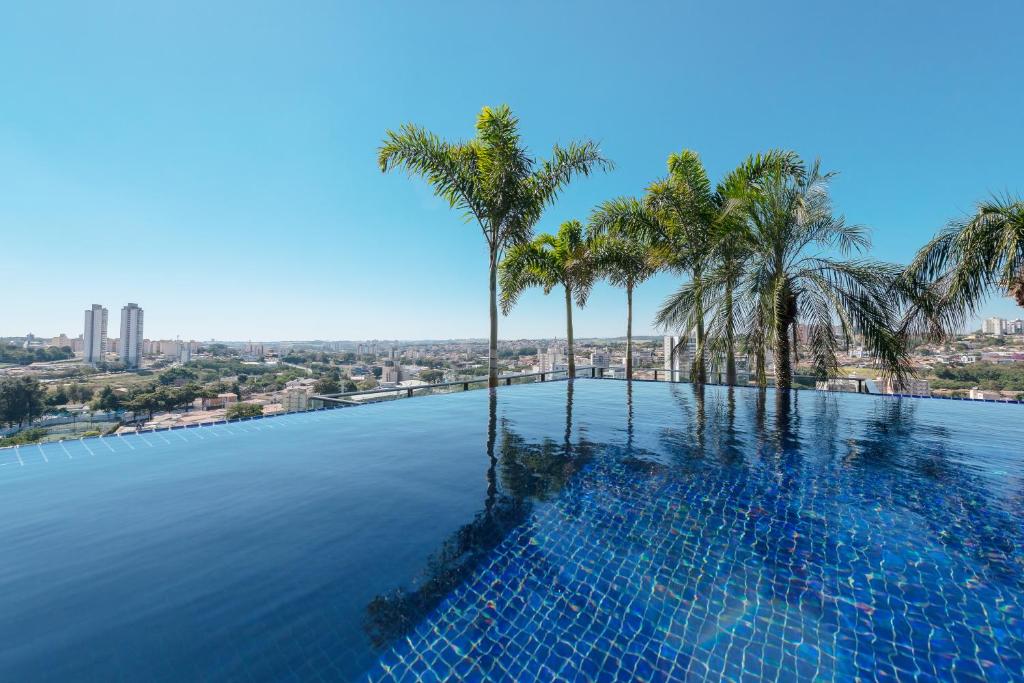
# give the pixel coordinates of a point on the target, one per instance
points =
(970, 259)
(704, 236)
(623, 253)
(547, 261)
(788, 280)
(494, 181)
(686, 218)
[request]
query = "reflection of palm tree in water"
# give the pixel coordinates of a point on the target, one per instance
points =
(518, 475)
(629, 417)
(696, 417)
(492, 436)
(568, 417)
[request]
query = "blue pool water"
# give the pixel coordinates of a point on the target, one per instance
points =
(587, 531)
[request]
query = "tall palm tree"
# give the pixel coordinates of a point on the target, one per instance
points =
(494, 180)
(682, 203)
(547, 261)
(789, 279)
(623, 252)
(706, 236)
(969, 260)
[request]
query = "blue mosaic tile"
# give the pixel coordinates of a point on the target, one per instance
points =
(807, 553)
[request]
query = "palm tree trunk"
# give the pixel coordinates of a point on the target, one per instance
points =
(796, 347)
(492, 350)
(698, 371)
(730, 340)
(568, 333)
(629, 331)
(783, 357)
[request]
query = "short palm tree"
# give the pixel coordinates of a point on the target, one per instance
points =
(623, 252)
(548, 261)
(706, 237)
(494, 181)
(788, 279)
(972, 258)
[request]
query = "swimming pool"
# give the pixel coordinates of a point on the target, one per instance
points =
(588, 531)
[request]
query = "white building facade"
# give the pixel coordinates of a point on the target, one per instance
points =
(600, 360)
(679, 355)
(993, 326)
(130, 345)
(94, 345)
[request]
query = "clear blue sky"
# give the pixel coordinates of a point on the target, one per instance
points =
(217, 165)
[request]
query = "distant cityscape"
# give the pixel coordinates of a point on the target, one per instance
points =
(93, 382)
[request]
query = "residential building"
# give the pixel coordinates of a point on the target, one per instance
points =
(391, 372)
(993, 326)
(219, 401)
(679, 355)
(184, 352)
(600, 359)
(130, 350)
(391, 369)
(295, 399)
(95, 346)
(551, 360)
(253, 351)
(61, 341)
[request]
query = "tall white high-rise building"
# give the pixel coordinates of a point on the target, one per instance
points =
(95, 338)
(679, 354)
(992, 326)
(131, 336)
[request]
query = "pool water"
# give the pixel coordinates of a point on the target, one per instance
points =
(593, 530)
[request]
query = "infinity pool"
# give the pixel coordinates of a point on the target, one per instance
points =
(587, 531)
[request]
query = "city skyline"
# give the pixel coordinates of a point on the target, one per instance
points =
(247, 175)
(983, 324)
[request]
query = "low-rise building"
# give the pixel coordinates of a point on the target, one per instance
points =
(295, 399)
(982, 394)
(219, 401)
(912, 386)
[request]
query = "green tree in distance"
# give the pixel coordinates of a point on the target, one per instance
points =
(107, 400)
(432, 376)
(327, 385)
(547, 261)
(238, 410)
(22, 399)
(494, 181)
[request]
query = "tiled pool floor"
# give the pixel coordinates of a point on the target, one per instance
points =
(592, 531)
(810, 553)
